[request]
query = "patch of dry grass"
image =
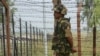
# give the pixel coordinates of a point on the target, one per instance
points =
(39, 50)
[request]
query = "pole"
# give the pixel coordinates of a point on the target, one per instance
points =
(8, 31)
(20, 36)
(37, 36)
(31, 39)
(3, 28)
(14, 41)
(45, 33)
(17, 46)
(7, 26)
(78, 28)
(94, 39)
(34, 40)
(26, 39)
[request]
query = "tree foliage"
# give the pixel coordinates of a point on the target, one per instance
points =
(96, 15)
(91, 12)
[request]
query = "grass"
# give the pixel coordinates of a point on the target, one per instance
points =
(39, 50)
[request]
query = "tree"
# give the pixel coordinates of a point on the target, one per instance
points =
(92, 15)
(91, 12)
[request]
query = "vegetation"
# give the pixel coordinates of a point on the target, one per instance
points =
(38, 48)
(91, 12)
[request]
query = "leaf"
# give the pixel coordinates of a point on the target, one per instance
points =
(92, 13)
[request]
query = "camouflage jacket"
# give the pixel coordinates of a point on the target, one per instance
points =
(62, 31)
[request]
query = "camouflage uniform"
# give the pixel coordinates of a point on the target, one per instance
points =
(60, 44)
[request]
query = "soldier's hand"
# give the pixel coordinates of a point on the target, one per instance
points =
(54, 53)
(74, 50)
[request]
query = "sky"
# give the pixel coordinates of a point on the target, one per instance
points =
(32, 11)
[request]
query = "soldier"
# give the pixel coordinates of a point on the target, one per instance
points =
(62, 42)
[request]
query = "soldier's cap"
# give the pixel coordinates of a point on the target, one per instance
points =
(60, 8)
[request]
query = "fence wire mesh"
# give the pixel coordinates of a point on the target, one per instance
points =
(27, 29)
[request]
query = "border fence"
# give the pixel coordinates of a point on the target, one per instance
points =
(22, 43)
(28, 40)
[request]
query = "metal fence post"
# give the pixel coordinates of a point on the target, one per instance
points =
(3, 28)
(31, 38)
(26, 39)
(14, 41)
(34, 39)
(37, 36)
(20, 22)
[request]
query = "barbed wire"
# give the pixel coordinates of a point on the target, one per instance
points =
(47, 6)
(86, 52)
(37, 2)
(44, 22)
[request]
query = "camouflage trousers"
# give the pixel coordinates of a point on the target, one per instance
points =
(61, 47)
